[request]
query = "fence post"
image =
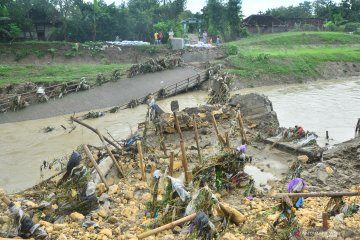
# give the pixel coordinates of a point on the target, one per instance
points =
(187, 86)
(176, 89)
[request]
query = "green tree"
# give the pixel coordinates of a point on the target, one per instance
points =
(66, 9)
(234, 17)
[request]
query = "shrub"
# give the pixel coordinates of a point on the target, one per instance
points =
(351, 27)
(232, 49)
(330, 26)
(52, 52)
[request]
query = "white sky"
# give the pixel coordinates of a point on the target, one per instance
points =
(248, 6)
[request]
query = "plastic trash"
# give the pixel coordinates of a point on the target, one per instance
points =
(242, 148)
(296, 185)
(90, 189)
(306, 140)
(88, 223)
(40, 90)
(25, 226)
(178, 186)
(157, 174)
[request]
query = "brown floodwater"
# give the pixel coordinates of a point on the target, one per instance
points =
(332, 106)
(24, 145)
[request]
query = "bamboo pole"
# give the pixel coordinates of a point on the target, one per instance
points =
(90, 156)
(167, 226)
(171, 165)
(184, 161)
(141, 160)
(197, 137)
(94, 130)
(317, 194)
(110, 153)
(242, 131)
(178, 126)
(221, 139)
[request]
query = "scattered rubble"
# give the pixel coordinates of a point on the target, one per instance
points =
(161, 185)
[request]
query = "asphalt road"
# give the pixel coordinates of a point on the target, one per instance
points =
(108, 95)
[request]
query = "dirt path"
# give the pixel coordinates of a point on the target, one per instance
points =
(108, 95)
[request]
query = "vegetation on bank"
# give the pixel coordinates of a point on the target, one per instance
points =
(21, 73)
(296, 54)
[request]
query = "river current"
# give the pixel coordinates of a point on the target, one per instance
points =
(332, 106)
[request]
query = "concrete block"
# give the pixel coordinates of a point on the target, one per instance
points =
(177, 43)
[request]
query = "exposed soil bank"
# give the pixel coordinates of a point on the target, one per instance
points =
(46, 53)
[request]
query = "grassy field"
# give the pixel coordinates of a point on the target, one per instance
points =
(297, 54)
(20, 73)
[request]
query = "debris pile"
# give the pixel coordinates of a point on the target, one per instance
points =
(162, 186)
(127, 43)
(18, 96)
(155, 65)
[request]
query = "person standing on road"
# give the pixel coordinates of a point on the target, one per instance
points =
(160, 37)
(171, 34)
(205, 37)
(156, 37)
(218, 40)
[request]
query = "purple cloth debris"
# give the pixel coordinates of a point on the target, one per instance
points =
(242, 148)
(296, 185)
(250, 198)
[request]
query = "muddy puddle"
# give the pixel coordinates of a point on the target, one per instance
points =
(319, 106)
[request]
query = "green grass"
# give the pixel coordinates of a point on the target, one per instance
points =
(294, 54)
(295, 39)
(21, 73)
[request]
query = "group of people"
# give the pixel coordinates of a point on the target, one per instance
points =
(158, 37)
(208, 39)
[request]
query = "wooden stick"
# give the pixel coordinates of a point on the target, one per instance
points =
(318, 194)
(221, 139)
(162, 141)
(357, 128)
(110, 153)
(325, 218)
(242, 131)
(94, 130)
(227, 140)
(90, 156)
(171, 165)
(215, 124)
(197, 137)
(178, 126)
(5, 199)
(141, 160)
(184, 161)
(167, 226)
(155, 195)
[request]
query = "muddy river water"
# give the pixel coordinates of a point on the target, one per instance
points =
(332, 106)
